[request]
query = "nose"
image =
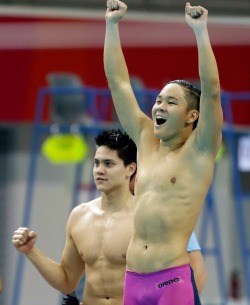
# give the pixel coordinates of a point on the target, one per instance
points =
(160, 108)
(100, 169)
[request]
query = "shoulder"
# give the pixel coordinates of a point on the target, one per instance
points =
(85, 208)
(81, 215)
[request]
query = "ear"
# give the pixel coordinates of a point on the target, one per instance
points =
(192, 116)
(131, 169)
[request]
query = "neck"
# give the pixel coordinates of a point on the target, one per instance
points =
(177, 141)
(116, 200)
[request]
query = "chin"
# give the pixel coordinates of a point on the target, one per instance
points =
(100, 188)
(157, 134)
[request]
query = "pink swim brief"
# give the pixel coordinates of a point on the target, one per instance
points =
(173, 286)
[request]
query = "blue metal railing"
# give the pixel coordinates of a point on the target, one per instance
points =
(232, 135)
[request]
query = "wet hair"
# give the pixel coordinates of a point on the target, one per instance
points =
(119, 141)
(192, 95)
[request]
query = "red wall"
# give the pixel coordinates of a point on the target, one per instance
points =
(23, 71)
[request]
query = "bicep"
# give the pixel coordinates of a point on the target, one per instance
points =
(72, 262)
(209, 128)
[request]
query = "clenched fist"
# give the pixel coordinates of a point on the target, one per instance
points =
(24, 239)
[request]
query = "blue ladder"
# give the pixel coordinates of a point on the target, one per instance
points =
(210, 215)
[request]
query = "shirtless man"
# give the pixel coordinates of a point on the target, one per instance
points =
(98, 232)
(175, 165)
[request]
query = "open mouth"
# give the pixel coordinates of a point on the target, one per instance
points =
(160, 120)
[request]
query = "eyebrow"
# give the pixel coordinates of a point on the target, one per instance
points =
(167, 97)
(172, 97)
(104, 160)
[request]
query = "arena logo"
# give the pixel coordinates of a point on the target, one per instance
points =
(169, 282)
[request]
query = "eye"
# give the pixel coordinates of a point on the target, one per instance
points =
(96, 162)
(172, 101)
(108, 163)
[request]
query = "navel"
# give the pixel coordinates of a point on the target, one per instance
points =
(173, 180)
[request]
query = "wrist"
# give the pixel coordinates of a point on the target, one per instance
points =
(112, 22)
(31, 252)
(201, 31)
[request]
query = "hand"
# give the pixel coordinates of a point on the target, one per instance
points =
(196, 16)
(115, 10)
(24, 239)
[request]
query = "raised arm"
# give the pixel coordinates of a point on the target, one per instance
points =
(210, 118)
(63, 276)
(128, 111)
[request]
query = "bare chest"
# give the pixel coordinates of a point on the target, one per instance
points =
(163, 175)
(170, 193)
(103, 239)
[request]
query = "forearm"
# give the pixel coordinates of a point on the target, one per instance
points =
(200, 279)
(114, 62)
(51, 271)
(199, 269)
(208, 69)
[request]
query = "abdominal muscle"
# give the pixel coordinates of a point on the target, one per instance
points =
(145, 257)
(105, 285)
(161, 234)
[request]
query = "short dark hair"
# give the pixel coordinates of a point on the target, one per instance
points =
(119, 141)
(192, 95)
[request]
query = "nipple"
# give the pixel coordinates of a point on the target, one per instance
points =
(173, 180)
